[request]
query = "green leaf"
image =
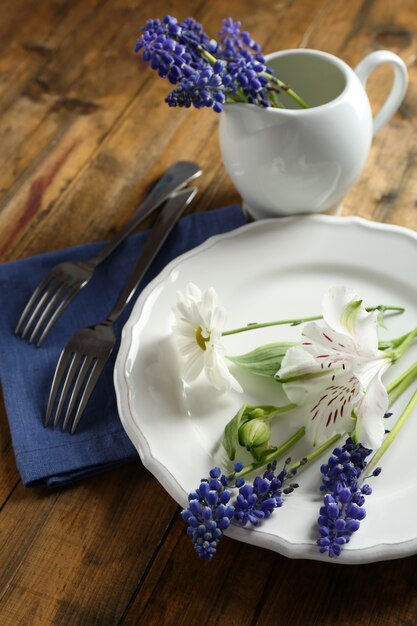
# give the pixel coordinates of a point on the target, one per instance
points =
(231, 433)
(263, 361)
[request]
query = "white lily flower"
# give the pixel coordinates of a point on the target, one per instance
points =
(198, 329)
(336, 372)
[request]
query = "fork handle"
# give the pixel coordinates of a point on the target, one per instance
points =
(170, 214)
(176, 177)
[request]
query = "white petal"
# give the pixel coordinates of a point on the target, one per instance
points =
(187, 347)
(366, 370)
(185, 329)
(193, 292)
(327, 345)
(370, 427)
(329, 409)
(182, 311)
(340, 313)
(208, 304)
(218, 373)
(193, 366)
(297, 361)
(195, 314)
(334, 302)
(218, 318)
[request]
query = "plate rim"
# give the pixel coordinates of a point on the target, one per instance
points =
(271, 541)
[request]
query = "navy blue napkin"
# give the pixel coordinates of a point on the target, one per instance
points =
(51, 457)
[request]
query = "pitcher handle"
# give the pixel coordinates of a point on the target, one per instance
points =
(399, 86)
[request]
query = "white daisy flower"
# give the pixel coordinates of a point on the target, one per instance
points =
(198, 329)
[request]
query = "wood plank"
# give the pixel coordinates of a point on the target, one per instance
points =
(29, 42)
(50, 103)
(74, 556)
(111, 84)
(40, 88)
(227, 589)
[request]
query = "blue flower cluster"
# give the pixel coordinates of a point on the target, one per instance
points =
(208, 513)
(257, 501)
(245, 64)
(205, 73)
(342, 509)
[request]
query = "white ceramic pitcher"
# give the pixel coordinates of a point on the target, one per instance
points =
(288, 161)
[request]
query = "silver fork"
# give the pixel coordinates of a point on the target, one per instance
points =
(64, 281)
(86, 353)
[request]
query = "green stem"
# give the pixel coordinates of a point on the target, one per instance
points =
(283, 409)
(316, 452)
(296, 97)
(284, 87)
(274, 99)
(386, 344)
(400, 384)
(274, 454)
(301, 320)
(400, 378)
(394, 432)
(235, 97)
(255, 326)
(207, 55)
(402, 347)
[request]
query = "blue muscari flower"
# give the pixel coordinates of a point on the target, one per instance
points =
(208, 513)
(201, 88)
(192, 34)
(258, 501)
(234, 40)
(342, 509)
(245, 67)
(176, 51)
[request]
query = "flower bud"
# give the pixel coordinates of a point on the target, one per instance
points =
(255, 413)
(254, 433)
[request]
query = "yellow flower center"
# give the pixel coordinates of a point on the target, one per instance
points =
(201, 340)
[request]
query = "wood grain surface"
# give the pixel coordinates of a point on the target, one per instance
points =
(84, 132)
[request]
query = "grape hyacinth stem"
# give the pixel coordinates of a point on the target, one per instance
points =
(273, 455)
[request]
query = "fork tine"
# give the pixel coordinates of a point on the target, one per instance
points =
(60, 309)
(31, 301)
(76, 389)
(91, 383)
(43, 316)
(51, 288)
(59, 372)
(76, 358)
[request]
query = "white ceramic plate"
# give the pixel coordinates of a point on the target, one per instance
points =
(272, 269)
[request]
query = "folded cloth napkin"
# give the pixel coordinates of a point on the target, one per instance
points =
(51, 457)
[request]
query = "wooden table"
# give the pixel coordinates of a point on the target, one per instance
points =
(84, 132)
